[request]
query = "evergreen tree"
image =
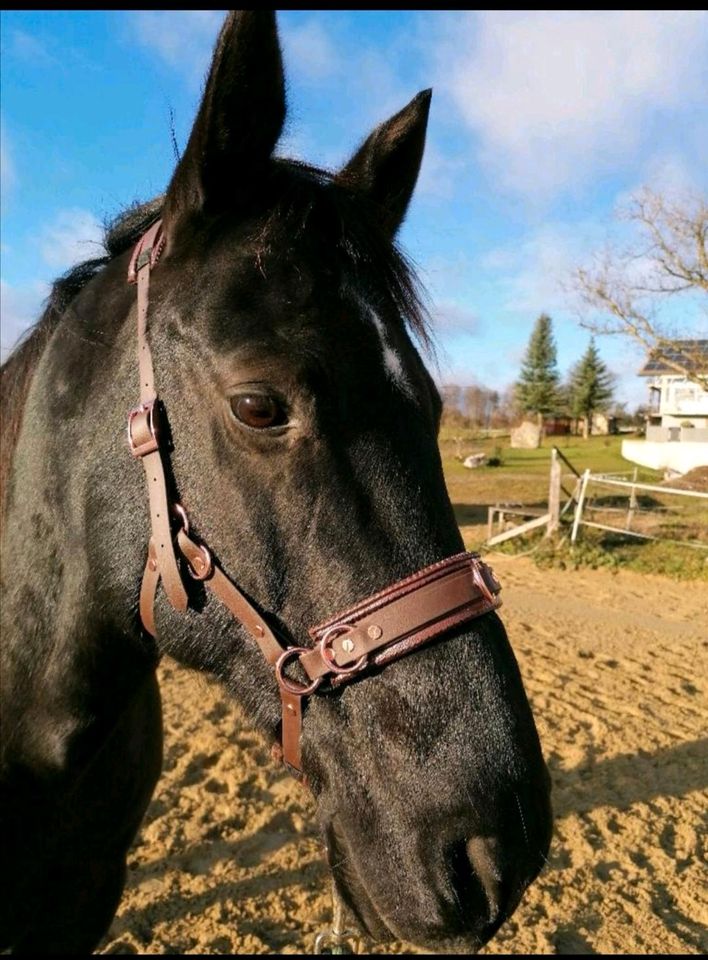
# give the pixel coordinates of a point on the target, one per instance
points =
(591, 386)
(537, 386)
(563, 404)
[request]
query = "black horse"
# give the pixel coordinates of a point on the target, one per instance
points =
(303, 426)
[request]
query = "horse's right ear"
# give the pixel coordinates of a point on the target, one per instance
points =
(239, 120)
(385, 167)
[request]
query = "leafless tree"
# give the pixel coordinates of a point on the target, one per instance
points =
(623, 291)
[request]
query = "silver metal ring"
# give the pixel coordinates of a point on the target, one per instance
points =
(292, 686)
(327, 653)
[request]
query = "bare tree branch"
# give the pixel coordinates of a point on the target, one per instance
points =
(623, 291)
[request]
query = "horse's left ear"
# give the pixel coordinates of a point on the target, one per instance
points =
(386, 166)
(239, 120)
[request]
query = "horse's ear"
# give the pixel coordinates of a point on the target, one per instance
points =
(386, 166)
(239, 120)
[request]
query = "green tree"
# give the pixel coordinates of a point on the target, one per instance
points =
(563, 405)
(537, 386)
(591, 387)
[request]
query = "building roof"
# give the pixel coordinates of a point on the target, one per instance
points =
(691, 354)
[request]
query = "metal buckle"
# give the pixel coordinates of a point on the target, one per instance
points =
(202, 568)
(327, 653)
(151, 444)
(292, 686)
(183, 518)
(481, 583)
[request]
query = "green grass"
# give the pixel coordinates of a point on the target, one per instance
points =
(600, 454)
(522, 478)
(523, 474)
(601, 550)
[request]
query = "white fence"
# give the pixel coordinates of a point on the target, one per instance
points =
(579, 496)
(550, 518)
(632, 488)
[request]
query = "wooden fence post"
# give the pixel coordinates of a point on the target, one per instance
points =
(579, 507)
(632, 501)
(554, 488)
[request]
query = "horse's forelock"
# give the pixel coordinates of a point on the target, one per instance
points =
(312, 201)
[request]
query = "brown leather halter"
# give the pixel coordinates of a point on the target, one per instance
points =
(374, 632)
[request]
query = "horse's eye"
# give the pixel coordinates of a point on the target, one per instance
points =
(258, 410)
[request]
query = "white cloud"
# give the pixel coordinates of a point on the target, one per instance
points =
(449, 317)
(439, 173)
(379, 90)
(310, 51)
(534, 275)
(314, 51)
(534, 270)
(444, 276)
(665, 172)
(464, 361)
(555, 97)
(19, 309)
(73, 236)
(183, 39)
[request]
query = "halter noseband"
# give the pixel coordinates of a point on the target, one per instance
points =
(374, 632)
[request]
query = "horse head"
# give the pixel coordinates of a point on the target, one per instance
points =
(303, 446)
(304, 425)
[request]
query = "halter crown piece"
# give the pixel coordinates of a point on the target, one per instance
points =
(376, 631)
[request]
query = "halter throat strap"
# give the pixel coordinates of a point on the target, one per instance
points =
(376, 631)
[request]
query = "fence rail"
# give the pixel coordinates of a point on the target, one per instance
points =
(633, 487)
(580, 501)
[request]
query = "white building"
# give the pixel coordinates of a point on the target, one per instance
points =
(677, 426)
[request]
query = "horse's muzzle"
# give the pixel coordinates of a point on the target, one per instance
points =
(460, 892)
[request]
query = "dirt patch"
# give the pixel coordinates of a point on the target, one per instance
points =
(696, 479)
(615, 665)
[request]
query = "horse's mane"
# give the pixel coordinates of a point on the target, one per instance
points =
(16, 373)
(305, 202)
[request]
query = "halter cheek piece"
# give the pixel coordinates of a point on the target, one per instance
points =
(374, 632)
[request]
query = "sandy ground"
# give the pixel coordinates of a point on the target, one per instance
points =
(616, 669)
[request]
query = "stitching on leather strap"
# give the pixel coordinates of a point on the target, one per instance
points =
(416, 609)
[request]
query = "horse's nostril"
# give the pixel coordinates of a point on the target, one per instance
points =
(481, 852)
(475, 878)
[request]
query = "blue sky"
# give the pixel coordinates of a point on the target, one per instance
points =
(542, 124)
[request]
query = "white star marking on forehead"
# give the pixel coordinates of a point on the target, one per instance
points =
(391, 359)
